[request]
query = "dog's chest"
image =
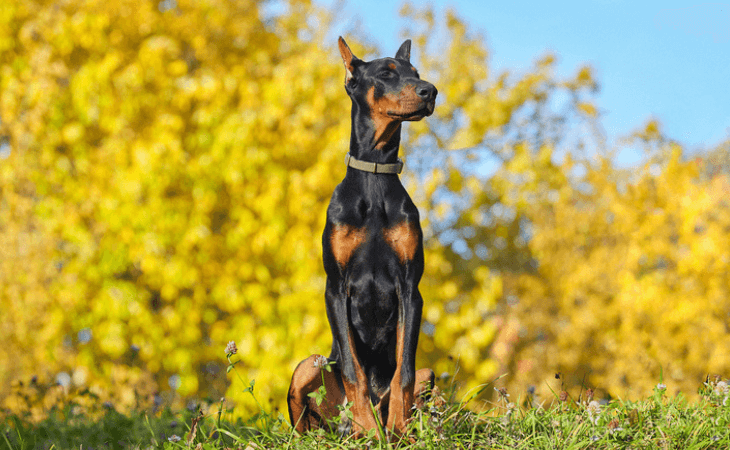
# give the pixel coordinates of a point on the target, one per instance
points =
(373, 230)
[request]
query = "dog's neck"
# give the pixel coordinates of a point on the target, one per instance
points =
(367, 144)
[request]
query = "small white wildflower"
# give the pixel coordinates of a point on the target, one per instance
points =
(594, 407)
(320, 361)
(721, 388)
(594, 411)
(511, 408)
(174, 438)
(661, 386)
(231, 348)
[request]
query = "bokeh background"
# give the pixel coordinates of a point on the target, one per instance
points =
(165, 168)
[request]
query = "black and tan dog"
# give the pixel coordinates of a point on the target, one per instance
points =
(373, 257)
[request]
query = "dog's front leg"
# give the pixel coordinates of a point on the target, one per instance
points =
(353, 376)
(403, 383)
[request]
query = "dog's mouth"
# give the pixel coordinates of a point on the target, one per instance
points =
(424, 109)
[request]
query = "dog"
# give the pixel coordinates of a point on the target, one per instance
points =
(373, 257)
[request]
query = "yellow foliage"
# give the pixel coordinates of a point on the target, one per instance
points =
(588, 109)
(473, 225)
(166, 187)
(632, 281)
(165, 193)
(162, 190)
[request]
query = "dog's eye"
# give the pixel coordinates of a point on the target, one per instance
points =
(386, 74)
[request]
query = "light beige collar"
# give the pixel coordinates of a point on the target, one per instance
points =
(365, 166)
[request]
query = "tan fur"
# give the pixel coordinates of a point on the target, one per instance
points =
(405, 102)
(345, 239)
(403, 239)
(401, 397)
(385, 125)
(307, 378)
(357, 393)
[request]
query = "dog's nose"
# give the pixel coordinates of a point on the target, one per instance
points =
(427, 92)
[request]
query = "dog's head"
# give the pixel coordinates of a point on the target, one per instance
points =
(391, 87)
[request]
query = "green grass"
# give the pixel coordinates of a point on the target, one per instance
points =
(657, 422)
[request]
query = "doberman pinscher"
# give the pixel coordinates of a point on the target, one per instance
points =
(373, 257)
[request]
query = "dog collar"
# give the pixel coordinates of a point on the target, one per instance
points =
(365, 166)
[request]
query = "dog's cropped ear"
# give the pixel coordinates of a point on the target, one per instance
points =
(404, 52)
(348, 59)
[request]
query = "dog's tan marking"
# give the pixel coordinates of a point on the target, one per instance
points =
(405, 102)
(401, 397)
(423, 387)
(357, 392)
(305, 413)
(392, 66)
(384, 124)
(403, 239)
(345, 239)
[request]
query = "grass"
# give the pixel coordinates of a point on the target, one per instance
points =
(657, 422)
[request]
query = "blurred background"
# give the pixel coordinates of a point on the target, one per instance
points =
(165, 168)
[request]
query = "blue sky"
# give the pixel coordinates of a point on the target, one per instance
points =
(665, 60)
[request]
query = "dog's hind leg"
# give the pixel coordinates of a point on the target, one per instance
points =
(425, 379)
(304, 412)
